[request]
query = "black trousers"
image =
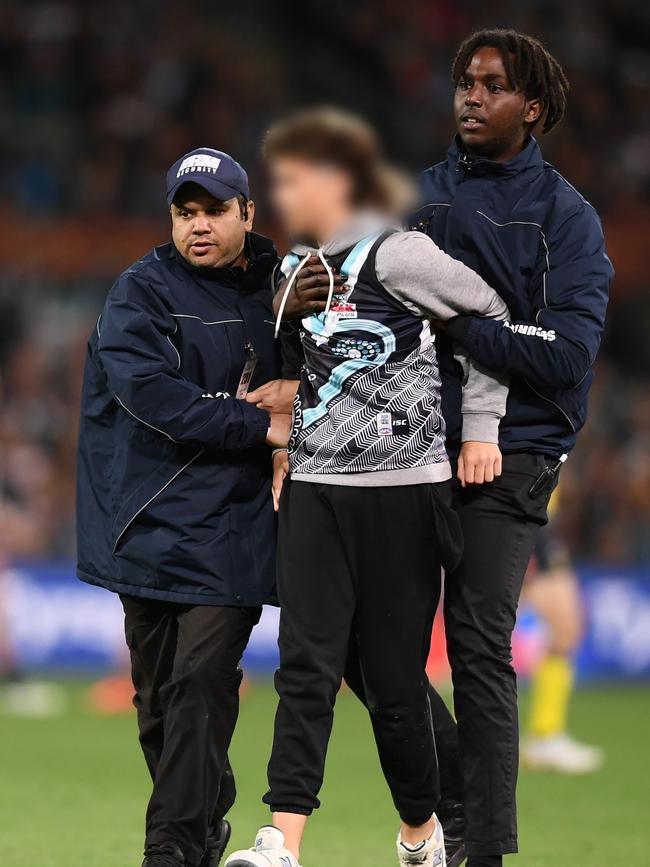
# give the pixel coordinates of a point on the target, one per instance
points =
(479, 762)
(185, 668)
(359, 571)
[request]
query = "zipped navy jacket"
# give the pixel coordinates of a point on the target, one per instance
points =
(174, 477)
(540, 244)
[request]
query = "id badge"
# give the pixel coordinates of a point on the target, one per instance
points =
(247, 373)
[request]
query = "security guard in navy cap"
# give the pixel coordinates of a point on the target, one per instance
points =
(174, 504)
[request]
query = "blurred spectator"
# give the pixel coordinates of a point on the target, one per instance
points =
(99, 97)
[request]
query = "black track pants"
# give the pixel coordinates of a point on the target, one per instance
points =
(185, 668)
(359, 567)
(445, 733)
(500, 525)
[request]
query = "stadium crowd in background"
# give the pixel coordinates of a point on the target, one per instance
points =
(101, 139)
(92, 147)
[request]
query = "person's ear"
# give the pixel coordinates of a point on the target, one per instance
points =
(249, 215)
(533, 110)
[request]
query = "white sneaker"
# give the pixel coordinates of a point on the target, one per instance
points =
(430, 853)
(268, 851)
(560, 753)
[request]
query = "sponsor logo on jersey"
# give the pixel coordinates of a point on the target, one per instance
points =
(384, 424)
(530, 330)
(390, 424)
(344, 309)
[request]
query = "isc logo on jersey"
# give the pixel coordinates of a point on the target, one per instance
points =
(530, 330)
(391, 424)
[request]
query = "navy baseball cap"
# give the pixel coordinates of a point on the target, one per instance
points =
(215, 171)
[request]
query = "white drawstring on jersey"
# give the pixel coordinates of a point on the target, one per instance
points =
(288, 289)
(292, 280)
(330, 275)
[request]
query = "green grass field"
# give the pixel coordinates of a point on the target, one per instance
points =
(73, 790)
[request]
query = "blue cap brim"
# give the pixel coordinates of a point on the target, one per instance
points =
(216, 188)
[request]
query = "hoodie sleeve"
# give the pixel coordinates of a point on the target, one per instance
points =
(557, 348)
(432, 284)
(484, 399)
(141, 367)
(413, 269)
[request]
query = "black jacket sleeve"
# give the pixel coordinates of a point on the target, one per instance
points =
(141, 363)
(559, 346)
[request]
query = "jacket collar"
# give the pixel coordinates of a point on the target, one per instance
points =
(262, 257)
(459, 160)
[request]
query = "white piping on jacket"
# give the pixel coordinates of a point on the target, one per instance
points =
(145, 423)
(178, 366)
(192, 316)
(151, 499)
(544, 241)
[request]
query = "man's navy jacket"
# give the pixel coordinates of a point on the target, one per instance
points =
(536, 240)
(174, 477)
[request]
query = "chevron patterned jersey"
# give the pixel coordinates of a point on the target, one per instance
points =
(369, 398)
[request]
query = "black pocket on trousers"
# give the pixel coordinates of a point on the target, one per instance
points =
(447, 526)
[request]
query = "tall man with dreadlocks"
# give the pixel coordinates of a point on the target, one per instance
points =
(498, 207)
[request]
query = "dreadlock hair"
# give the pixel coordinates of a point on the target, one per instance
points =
(530, 67)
